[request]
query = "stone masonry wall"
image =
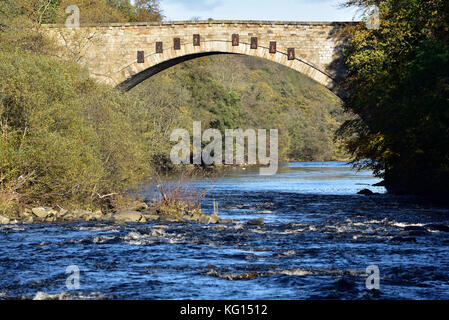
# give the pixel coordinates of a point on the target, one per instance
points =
(111, 51)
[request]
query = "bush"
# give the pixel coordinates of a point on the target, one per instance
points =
(64, 139)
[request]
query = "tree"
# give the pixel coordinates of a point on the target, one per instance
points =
(147, 10)
(398, 85)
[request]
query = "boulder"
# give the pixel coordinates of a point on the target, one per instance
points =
(62, 212)
(158, 233)
(51, 218)
(69, 217)
(151, 217)
(129, 216)
(215, 218)
(108, 217)
(256, 222)
(365, 192)
(209, 219)
(80, 214)
(44, 213)
(96, 216)
(27, 213)
(170, 218)
(228, 221)
(4, 220)
(193, 217)
(91, 217)
(28, 220)
(380, 184)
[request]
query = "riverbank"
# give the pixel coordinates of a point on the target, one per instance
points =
(140, 213)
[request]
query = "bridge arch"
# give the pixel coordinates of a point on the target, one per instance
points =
(134, 73)
(125, 54)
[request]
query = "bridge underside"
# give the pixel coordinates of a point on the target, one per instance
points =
(130, 83)
(153, 63)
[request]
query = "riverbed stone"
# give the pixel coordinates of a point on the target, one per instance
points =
(108, 217)
(68, 217)
(171, 218)
(215, 218)
(193, 217)
(27, 213)
(4, 220)
(44, 213)
(81, 213)
(129, 216)
(151, 217)
(62, 212)
(51, 218)
(28, 220)
(209, 219)
(365, 192)
(205, 220)
(89, 217)
(228, 221)
(256, 222)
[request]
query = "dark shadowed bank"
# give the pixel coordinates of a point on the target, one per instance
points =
(398, 85)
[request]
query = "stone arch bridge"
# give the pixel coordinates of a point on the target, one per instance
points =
(123, 55)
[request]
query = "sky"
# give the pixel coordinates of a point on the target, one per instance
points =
(282, 10)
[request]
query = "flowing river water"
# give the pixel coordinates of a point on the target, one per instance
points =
(318, 239)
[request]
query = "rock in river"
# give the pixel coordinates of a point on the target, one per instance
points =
(44, 213)
(366, 192)
(129, 216)
(209, 219)
(171, 218)
(4, 220)
(256, 222)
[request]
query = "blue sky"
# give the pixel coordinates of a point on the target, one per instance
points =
(286, 10)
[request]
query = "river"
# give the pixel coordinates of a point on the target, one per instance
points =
(318, 239)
